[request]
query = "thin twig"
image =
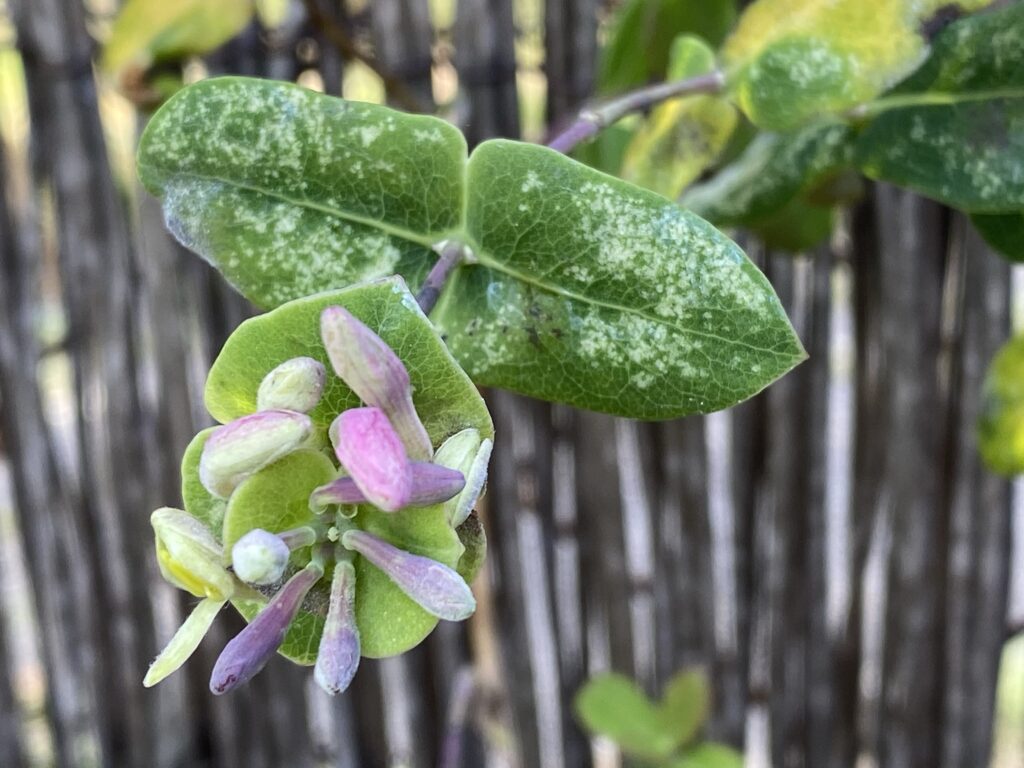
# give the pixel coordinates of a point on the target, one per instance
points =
(396, 90)
(452, 254)
(591, 121)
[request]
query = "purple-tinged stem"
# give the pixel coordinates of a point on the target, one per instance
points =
(451, 256)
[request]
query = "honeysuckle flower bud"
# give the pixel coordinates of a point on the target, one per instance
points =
(338, 655)
(467, 452)
(437, 589)
(372, 453)
(375, 373)
(184, 642)
(294, 385)
(249, 651)
(259, 557)
(188, 555)
(247, 445)
(431, 484)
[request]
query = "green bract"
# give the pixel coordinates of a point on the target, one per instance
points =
(580, 288)
(276, 498)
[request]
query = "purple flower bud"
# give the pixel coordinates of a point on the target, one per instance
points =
(294, 385)
(372, 453)
(338, 656)
(438, 589)
(431, 484)
(259, 557)
(375, 373)
(247, 445)
(249, 651)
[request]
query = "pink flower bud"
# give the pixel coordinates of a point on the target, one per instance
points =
(437, 589)
(338, 655)
(294, 385)
(372, 453)
(431, 484)
(249, 651)
(247, 445)
(375, 373)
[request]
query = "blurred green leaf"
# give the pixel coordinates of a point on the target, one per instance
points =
(954, 130)
(640, 41)
(149, 31)
(607, 150)
(272, 13)
(1003, 231)
(682, 137)
(709, 755)
(772, 172)
(1001, 424)
(797, 226)
(614, 706)
(790, 61)
(685, 704)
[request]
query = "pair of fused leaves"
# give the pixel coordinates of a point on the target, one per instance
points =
(953, 131)
(277, 498)
(580, 288)
(661, 733)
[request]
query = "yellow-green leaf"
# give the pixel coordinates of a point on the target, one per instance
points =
(1001, 424)
(683, 136)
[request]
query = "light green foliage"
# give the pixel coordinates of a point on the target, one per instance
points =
(445, 398)
(954, 130)
(289, 192)
(663, 733)
(1001, 424)
(584, 289)
(642, 34)
(789, 61)
(149, 31)
(1003, 231)
(199, 502)
(771, 188)
(683, 136)
(593, 292)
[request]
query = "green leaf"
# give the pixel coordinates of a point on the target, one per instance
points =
(640, 41)
(199, 502)
(799, 226)
(590, 291)
(685, 704)
(1003, 231)
(954, 130)
(789, 61)
(150, 31)
(474, 541)
(607, 150)
(772, 172)
(613, 706)
(709, 755)
(289, 192)
(683, 136)
(1001, 424)
(445, 398)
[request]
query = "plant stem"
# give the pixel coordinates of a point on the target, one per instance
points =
(452, 254)
(591, 121)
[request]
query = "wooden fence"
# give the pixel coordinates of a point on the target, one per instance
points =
(831, 552)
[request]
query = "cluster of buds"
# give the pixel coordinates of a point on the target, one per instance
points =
(385, 459)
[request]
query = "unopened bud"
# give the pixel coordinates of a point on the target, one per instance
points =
(470, 454)
(184, 642)
(188, 555)
(259, 557)
(375, 373)
(338, 655)
(249, 651)
(247, 445)
(294, 385)
(372, 453)
(438, 589)
(431, 484)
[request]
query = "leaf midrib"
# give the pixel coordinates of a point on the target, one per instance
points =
(480, 256)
